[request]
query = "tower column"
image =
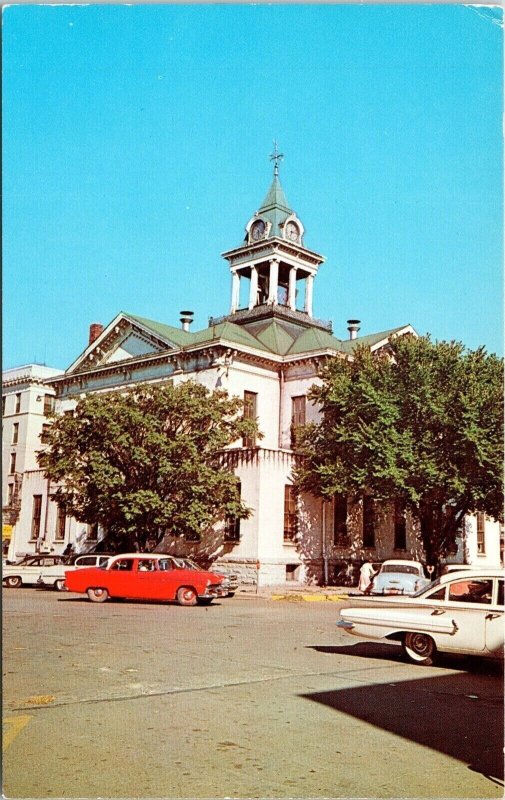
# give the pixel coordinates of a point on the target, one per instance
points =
(274, 282)
(235, 290)
(253, 289)
(308, 294)
(292, 289)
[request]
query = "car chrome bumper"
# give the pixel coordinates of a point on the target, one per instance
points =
(213, 591)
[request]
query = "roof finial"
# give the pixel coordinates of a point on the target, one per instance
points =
(276, 156)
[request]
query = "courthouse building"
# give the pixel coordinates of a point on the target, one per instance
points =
(267, 350)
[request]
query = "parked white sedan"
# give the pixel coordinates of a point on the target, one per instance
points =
(461, 612)
(54, 575)
(28, 571)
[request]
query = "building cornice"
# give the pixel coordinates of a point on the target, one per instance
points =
(273, 246)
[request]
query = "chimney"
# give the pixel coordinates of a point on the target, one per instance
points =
(95, 329)
(186, 319)
(353, 327)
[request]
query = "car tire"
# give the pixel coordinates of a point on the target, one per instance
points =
(97, 595)
(419, 648)
(59, 585)
(13, 581)
(186, 596)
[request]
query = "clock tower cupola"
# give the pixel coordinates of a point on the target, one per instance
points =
(273, 257)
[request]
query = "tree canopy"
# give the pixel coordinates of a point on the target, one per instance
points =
(147, 462)
(423, 423)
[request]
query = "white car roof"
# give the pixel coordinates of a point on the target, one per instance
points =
(402, 561)
(481, 572)
(141, 555)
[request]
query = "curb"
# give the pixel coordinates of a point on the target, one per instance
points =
(309, 598)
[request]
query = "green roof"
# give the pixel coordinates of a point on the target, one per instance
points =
(275, 208)
(314, 339)
(274, 336)
(176, 336)
(275, 198)
(348, 345)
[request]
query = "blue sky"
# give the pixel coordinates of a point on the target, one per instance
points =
(136, 144)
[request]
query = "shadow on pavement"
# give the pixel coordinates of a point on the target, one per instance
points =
(444, 713)
(393, 652)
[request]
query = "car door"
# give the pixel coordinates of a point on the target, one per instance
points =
(51, 570)
(168, 578)
(30, 572)
(467, 603)
(146, 580)
(119, 578)
(494, 622)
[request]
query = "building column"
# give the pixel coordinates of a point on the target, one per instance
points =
(292, 289)
(308, 294)
(274, 282)
(253, 289)
(235, 290)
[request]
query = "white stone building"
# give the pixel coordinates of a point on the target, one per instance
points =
(27, 399)
(267, 350)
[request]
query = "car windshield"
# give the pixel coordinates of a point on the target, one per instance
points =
(404, 568)
(426, 589)
(185, 563)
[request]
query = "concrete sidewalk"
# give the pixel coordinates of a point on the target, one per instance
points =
(297, 593)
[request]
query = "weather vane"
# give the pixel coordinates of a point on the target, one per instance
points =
(276, 156)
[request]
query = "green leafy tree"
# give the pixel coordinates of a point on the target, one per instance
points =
(422, 424)
(147, 462)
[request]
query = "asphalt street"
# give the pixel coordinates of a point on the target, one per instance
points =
(248, 698)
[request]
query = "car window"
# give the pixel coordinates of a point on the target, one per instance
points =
(499, 600)
(404, 568)
(438, 594)
(123, 564)
(85, 560)
(475, 590)
(146, 565)
(165, 565)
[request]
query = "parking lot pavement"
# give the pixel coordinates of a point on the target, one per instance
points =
(245, 698)
(297, 592)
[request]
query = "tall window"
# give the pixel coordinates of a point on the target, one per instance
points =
(15, 433)
(44, 433)
(93, 531)
(61, 520)
(17, 407)
(340, 533)
(298, 409)
(4, 400)
(36, 515)
(400, 526)
(368, 521)
(250, 403)
(232, 524)
(10, 494)
(481, 537)
(12, 464)
(290, 517)
(48, 403)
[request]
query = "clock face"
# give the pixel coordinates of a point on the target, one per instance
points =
(258, 229)
(292, 231)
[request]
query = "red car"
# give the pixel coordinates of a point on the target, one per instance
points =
(145, 576)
